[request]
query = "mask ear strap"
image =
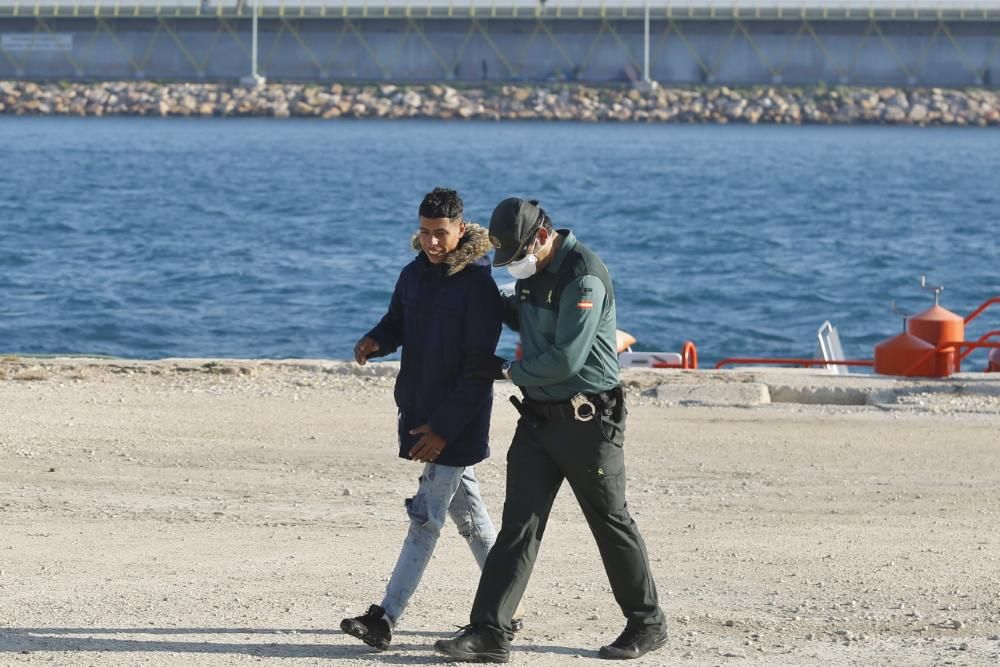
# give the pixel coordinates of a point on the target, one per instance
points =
(534, 240)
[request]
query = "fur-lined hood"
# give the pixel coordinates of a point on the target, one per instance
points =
(474, 245)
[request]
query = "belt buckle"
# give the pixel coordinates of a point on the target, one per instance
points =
(583, 408)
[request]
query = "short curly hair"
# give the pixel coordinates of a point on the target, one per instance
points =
(543, 220)
(441, 203)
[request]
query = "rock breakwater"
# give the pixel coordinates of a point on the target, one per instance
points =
(819, 105)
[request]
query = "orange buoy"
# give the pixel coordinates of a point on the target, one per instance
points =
(938, 325)
(689, 354)
(905, 354)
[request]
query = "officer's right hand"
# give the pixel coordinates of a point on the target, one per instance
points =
(364, 349)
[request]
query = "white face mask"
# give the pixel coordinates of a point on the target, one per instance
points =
(524, 267)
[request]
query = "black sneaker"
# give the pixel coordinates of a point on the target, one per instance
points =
(634, 642)
(371, 627)
(477, 643)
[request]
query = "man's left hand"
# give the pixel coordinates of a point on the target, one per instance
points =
(428, 447)
(487, 366)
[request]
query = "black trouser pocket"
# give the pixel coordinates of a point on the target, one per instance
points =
(612, 431)
(609, 474)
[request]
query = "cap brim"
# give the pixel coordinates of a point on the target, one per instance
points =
(505, 257)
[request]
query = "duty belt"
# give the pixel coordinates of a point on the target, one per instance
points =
(581, 407)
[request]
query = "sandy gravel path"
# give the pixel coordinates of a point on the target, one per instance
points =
(227, 514)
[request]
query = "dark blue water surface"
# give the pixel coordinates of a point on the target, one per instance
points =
(262, 238)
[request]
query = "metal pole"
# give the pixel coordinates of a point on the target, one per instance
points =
(645, 45)
(253, 47)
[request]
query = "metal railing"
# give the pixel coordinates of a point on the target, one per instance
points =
(956, 347)
(962, 10)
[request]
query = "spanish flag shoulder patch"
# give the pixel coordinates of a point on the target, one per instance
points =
(584, 305)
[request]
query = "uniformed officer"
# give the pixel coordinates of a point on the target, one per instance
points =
(572, 427)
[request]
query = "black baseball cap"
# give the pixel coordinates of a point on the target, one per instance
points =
(512, 227)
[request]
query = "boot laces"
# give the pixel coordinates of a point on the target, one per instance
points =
(627, 637)
(477, 629)
(374, 613)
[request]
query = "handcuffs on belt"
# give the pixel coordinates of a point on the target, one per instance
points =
(583, 408)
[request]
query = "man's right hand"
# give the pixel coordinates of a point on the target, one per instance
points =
(365, 348)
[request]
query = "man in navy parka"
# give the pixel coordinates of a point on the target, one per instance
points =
(445, 307)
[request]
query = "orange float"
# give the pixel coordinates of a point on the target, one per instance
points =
(905, 354)
(690, 355)
(937, 326)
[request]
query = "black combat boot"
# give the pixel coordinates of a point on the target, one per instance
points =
(371, 627)
(477, 643)
(634, 642)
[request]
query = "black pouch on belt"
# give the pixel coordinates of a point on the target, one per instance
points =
(530, 418)
(618, 409)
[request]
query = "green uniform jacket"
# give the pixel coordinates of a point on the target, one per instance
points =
(566, 317)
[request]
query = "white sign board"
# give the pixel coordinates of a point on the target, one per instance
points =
(22, 42)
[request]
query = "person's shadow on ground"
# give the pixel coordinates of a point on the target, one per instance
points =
(287, 643)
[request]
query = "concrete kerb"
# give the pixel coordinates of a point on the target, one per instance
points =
(744, 394)
(745, 387)
(762, 386)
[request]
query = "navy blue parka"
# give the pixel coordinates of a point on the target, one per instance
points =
(440, 314)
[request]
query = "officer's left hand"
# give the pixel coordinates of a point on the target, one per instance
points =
(487, 366)
(429, 446)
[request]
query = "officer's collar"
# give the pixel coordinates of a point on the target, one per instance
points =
(569, 240)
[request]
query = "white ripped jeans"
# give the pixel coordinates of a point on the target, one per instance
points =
(443, 491)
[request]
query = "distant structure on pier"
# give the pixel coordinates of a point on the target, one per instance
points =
(948, 43)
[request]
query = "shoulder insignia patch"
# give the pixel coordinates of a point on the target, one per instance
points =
(584, 305)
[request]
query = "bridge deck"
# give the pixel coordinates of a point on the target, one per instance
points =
(749, 10)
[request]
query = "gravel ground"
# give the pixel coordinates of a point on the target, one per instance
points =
(221, 513)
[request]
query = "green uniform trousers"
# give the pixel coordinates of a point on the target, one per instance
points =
(590, 456)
